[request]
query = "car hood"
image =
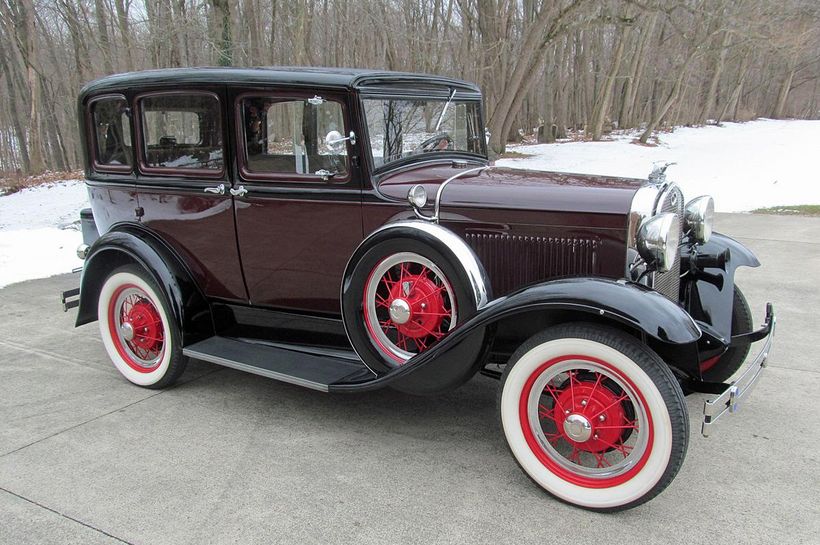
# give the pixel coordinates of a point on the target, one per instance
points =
(518, 189)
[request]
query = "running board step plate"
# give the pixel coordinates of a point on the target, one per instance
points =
(310, 370)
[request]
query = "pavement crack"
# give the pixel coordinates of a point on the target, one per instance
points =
(75, 426)
(41, 352)
(63, 515)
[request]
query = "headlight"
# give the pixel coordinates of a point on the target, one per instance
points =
(699, 218)
(417, 196)
(658, 240)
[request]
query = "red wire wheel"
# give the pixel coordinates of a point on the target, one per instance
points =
(594, 416)
(139, 331)
(136, 328)
(586, 421)
(408, 305)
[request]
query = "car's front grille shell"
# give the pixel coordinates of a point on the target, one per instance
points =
(668, 283)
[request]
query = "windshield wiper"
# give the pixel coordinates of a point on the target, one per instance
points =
(444, 111)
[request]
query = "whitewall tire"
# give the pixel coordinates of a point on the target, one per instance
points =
(138, 331)
(593, 417)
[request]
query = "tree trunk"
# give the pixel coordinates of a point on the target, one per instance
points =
(717, 72)
(605, 93)
(785, 88)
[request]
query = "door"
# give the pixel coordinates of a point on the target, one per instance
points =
(297, 199)
(182, 186)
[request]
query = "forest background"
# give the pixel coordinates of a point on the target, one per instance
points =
(548, 68)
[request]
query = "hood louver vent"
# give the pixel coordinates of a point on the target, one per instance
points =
(514, 261)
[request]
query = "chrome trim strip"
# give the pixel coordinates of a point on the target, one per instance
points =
(728, 401)
(254, 370)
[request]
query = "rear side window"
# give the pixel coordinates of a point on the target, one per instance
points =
(182, 131)
(112, 134)
(291, 136)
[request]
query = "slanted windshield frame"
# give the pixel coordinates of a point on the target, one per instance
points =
(470, 99)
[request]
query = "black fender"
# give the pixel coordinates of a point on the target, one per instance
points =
(708, 294)
(628, 305)
(130, 243)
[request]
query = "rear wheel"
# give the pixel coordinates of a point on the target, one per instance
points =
(138, 330)
(593, 416)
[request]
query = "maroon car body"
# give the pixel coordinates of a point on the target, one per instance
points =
(233, 230)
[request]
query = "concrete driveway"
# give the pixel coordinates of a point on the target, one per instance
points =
(226, 457)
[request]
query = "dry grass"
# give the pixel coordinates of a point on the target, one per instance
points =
(795, 210)
(13, 183)
(513, 155)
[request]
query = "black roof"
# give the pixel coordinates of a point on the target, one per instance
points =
(349, 78)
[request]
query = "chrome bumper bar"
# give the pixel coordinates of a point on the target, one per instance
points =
(729, 400)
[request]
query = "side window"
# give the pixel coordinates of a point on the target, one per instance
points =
(112, 132)
(182, 131)
(289, 136)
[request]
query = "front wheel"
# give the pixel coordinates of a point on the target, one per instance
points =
(593, 417)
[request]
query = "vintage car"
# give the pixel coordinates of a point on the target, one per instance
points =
(344, 230)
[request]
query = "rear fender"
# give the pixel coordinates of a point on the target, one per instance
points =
(129, 243)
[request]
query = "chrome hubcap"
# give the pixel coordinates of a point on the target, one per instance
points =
(400, 311)
(577, 428)
(127, 331)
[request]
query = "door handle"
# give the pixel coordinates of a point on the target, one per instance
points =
(218, 190)
(239, 191)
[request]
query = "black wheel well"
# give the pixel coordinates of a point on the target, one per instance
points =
(94, 274)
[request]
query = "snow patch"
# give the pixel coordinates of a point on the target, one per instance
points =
(40, 232)
(744, 166)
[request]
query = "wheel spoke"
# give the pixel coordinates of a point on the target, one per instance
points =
(600, 457)
(433, 333)
(545, 412)
(622, 448)
(623, 397)
(439, 290)
(594, 387)
(551, 392)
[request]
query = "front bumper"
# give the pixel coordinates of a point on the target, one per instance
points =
(728, 401)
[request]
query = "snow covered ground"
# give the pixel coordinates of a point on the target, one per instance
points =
(39, 231)
(742, 165)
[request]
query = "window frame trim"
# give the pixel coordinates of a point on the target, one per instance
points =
(292, 177)
(147, 169)
(96, 165)
(384, 168)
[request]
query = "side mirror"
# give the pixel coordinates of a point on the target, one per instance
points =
(335, 142)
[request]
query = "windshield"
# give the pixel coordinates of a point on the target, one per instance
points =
(400, 128)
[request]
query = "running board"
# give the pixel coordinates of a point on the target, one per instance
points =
(293, 365)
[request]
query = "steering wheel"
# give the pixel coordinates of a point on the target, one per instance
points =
(439, 142)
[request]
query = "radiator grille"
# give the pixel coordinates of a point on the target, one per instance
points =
(514, 261)
(668, 283)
